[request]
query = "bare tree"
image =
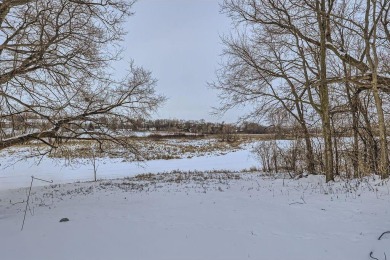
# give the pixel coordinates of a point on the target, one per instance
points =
(55, 69)
(326, 52)
(264, 68)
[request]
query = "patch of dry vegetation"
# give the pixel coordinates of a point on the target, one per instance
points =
(194, 180)
(151, 148)
(160, 147)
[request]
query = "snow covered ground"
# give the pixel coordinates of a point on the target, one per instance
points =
(197, 209)
(198, 216)
(19, 174)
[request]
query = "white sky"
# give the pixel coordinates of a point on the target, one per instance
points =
(179, 41)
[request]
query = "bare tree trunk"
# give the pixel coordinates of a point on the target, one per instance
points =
(368, 137)
(353, 103)
(324, 91)
(310, 162)
(383, 161)
(355, 129)
(335, 147)
(372, 57)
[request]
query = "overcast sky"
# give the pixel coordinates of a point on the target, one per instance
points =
(179, 41)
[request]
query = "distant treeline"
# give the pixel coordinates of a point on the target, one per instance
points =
(24, 121)
(204, 127)
(194, 126)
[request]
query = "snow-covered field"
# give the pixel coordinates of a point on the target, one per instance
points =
(197, 209)
(15, 175)
(198, 216)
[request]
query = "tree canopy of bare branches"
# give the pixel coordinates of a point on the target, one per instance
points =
(56, 79)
